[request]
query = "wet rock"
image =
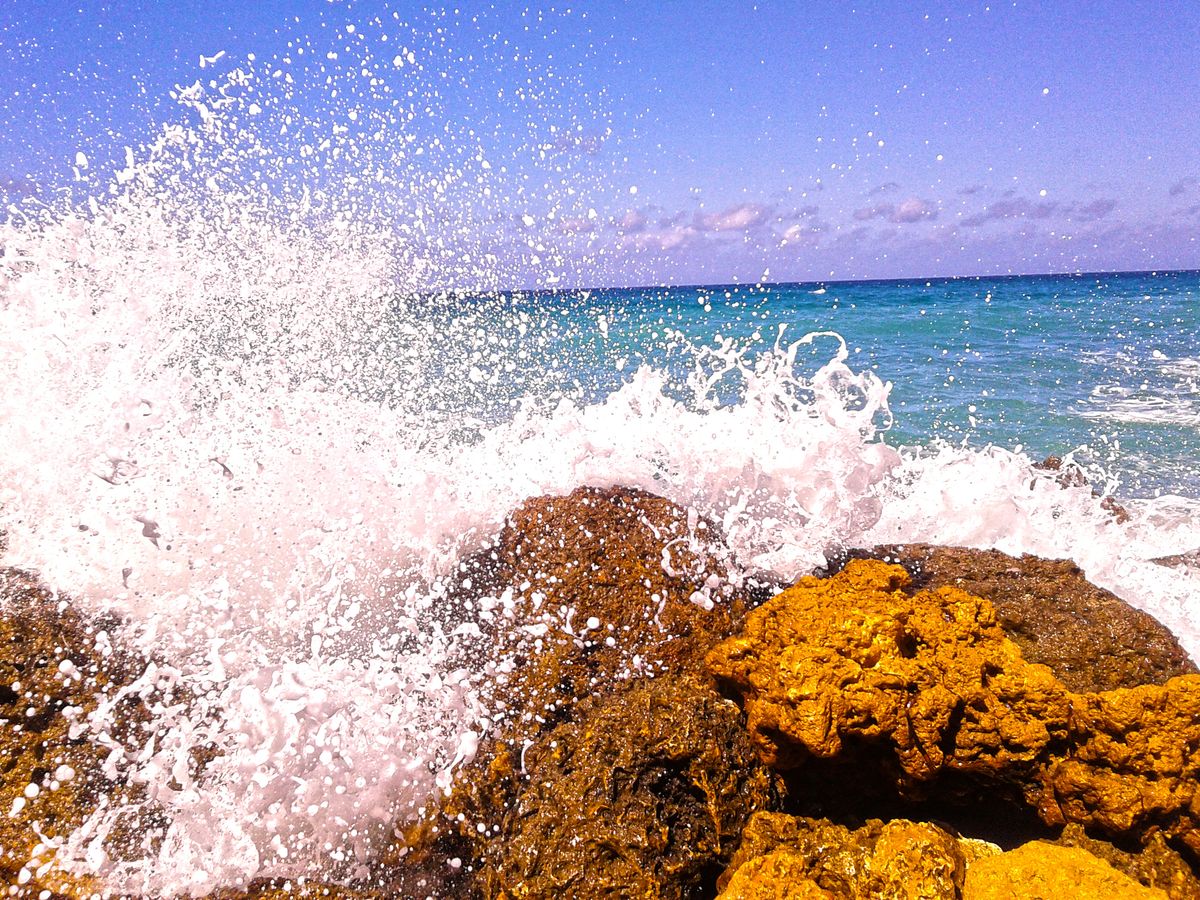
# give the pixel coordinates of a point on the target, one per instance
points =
(897, 859)
(1069, 474)
(1043, 871)
(1156, 865)
(645, 795)
(927, 689)
(581, 596)
(600, 587)
(54, 665)
(1187, 561)
(296, 889)
(1090, 638)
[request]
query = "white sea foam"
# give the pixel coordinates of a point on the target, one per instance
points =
(1170, 403)
(218, 423)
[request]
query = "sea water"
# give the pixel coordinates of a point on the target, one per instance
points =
(1102, 367)
(264, 386)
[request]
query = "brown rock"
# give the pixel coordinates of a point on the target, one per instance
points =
(54, 664)
(1090, 638)
(646, 795)
(662, 588)
(657, 582)
(1042, 871)
(1189, 561)
(1072, 475)
(898, 859)
(927, 688)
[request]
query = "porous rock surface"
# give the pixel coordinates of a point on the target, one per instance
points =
(54, 665)
(655, 581)
(1155, 865)
(1091, 639)
(897, 859)
(783, 856)
(1044, 871)
(927, 688)
(645, 795)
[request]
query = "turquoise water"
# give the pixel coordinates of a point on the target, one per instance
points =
(1106, 367)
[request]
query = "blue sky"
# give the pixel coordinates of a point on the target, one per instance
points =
(803, 140)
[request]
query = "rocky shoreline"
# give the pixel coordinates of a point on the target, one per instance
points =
(916, 722)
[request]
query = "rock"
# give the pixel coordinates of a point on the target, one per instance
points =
(1188, 561)
(1155, 866)
(897, 859)
(1090, 638)
(782, 875)
(605, 586)
(299, 889)
(1069, 474)
(581, 597)
(788, 856)
(54, 664)
(1043, 871)
(645, 795)
(927, 689)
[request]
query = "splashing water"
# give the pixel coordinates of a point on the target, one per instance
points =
(259, 402)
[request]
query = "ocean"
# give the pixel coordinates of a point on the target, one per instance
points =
(1103, 368)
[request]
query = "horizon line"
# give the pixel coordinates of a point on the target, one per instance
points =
(830, 282)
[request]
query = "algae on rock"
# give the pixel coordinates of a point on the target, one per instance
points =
(589, 594)
(606, 585)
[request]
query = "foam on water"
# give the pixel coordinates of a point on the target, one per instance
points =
(1161, 390)
(230, 418)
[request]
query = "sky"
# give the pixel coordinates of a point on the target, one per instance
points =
(717, 141)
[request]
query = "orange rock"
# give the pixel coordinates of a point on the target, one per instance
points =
(928, 687)
(1156, 865)
(883, 861)
(1043, 871)
(782, 875)
(1091, 639)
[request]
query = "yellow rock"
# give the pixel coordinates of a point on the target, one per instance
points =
(781, 875)
(1042, 871)
(897, 860)
(927, 686)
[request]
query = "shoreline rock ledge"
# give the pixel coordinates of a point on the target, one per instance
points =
(918, 722)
